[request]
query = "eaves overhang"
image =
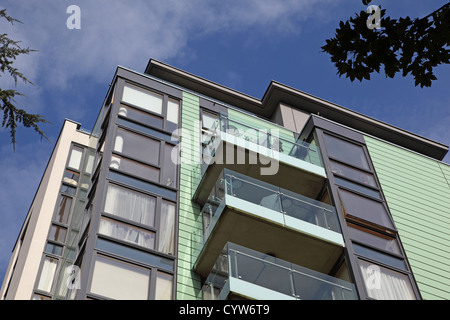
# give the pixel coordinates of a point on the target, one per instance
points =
(279, 93)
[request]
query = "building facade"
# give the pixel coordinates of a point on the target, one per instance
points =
(189, 190)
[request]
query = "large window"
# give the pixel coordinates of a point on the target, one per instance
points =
(63, 209)
(135, 168)
(47, 274)
(130, 205)
(137, 146)
(346, 152)
(142, 98)
(385, 284)
(115, 279)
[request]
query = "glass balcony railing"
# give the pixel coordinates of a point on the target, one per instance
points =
(267, 140)
(268, 196)
(262, 276)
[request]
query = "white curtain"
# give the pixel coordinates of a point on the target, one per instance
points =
(126, 232)
(130, 205)
(163, 286)
(47, 274)
(384, 284)
(167, 228)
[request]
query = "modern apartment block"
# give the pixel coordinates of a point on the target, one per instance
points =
(189, 190)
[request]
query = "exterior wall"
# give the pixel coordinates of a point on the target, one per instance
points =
(417, 190)
(188, 283)
(29, 252)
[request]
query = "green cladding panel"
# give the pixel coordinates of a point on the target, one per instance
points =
(188, 283)
(417, 190)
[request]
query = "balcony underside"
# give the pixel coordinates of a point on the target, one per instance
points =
(268, 237)
(292, 174)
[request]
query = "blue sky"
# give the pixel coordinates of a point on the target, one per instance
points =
(240, 44)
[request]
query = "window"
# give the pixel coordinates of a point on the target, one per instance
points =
(119, 280)
(135, 168)
(68, 189)
(141, 116)
(47, 274)
(163, 286)
(167, 228)
(63, 209)
(142, 98)
(173, 107)
(373, 238)
(364, 208)
(137, 146)
(169, 177)
(358, 188)
(385, 284)
(75, 158)
(126, 232)
(57, 233)
(131, 205)
(71, 177)
(346, 152)
(379, 256)
(352, 173)
(53, 249)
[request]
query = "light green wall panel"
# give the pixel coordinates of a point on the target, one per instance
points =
(188, 283)
(417, 190)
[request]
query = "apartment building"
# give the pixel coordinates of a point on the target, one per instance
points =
(189, 190)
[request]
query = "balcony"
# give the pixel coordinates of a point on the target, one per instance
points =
(241, 273)
(265, 152)
(269, 219)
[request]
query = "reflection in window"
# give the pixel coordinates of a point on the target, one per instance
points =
(373, 238)
(141, 116)
(364, 208)
(47, 274)
(71, 177)
(119, 280)
(385, 284)
(130, 205)
(63, 211)
(346, 152)
(352, 173)
(137, 146)
(135, 168)
(167, 228)
(54, 249)
(358, 188)
(163, 286)
(379, 256)
(143, 98)
(75, 158)
(126, 232)
(68, 189)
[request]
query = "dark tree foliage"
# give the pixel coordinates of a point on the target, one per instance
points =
(410, 46)
(13, 115)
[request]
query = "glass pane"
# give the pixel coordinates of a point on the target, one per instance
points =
(209, 120)
(54, 249)
(119, 280)
(173, 107)
(346, 152)
(62, 213)
(75, 158)
(163, 286)
(169, 177)
(143, 98)
(385, 284)
(365, 208)
(352, 173)
(130, 205)
(71, 177)
(141, 116)
(379, 256)
(47, 274)
(68, 189)
(135, 254)
(126, 232)
(373, 238)
(167, 228)
(89, 164)
(57, 233)
(358, 188)
(137, 146)
(135, 168)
